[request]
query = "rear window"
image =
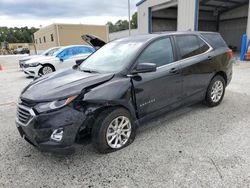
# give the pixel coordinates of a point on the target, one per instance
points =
(214, 39)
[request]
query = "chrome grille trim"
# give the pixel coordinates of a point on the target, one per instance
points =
(24, 115)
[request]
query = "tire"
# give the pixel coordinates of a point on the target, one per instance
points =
(46, 69)
(105, 125)
(215, 92)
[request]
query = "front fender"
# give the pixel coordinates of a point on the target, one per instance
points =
(117, 93)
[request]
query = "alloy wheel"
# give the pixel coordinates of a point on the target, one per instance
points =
(118, 132)
(47, 70)
(217, 91)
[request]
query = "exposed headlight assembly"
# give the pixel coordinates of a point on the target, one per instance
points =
(44, 107)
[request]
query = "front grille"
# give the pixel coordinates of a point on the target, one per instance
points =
(23, 114)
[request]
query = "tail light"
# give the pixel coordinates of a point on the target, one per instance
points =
(230, 53)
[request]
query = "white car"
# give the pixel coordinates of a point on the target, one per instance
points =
(48, 52)
(64, 58)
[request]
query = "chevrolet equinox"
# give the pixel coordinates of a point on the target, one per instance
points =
(124, 82)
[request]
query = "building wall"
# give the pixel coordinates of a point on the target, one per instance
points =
(67, 34)
(46, 32)
(71, 34)
(143, 13)
(186, 13)
(207, 21)
(233, 24)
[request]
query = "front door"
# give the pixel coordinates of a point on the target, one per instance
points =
(163, 88)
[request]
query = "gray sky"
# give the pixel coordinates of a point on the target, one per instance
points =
(44, 12)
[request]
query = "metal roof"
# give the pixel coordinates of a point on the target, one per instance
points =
(140, 2)
(215, 5)
(221, 5)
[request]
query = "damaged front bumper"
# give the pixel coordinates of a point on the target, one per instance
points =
(53, 132)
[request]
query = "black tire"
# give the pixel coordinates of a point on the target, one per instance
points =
(43, 71)
(210, 101)
(101, 125)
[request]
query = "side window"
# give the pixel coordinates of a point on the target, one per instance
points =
(159, 52)
(83, 50)
(203, 46)
(188, 45)
(67, 53)
(214, 39)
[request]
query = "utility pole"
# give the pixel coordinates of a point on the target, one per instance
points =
(129, 24)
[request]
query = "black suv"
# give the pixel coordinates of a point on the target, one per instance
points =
(121, 84)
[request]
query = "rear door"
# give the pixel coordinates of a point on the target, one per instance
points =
(195, 61)
(163, 88)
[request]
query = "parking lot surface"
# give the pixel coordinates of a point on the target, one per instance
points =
(194, 146)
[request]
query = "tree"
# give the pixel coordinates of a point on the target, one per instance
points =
(17, 35)
(134, 21)
(121, 25)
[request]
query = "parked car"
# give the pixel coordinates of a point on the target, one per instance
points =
(63, 58)
(124, 83)
(48, 52)
(22, 51)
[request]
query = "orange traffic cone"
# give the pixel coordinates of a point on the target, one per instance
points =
(1, 67)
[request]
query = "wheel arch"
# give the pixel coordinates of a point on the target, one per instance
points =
(222, 74)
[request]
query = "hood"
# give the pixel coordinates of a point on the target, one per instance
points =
(93, 41)
(41, 59)
(26, 58)
(61, 84)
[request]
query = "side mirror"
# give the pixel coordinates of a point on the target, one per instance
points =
(61, 59)
(78, 63)
(144, 68)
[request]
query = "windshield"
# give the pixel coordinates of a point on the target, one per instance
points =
(112, 57)
(50, 52)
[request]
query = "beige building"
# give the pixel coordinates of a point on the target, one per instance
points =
(67, 34)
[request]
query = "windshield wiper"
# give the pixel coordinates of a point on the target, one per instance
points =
(90, 71)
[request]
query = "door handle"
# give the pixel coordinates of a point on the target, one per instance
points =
(173, 71)
(210, 57)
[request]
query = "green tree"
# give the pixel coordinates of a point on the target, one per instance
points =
(134, 21)
(16, 35)
(121, 25)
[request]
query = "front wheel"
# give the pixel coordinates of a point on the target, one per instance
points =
(47, 69)
(216, 91)
(114, 129)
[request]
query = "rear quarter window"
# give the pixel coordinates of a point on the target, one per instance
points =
(188, 45)
(214, 39)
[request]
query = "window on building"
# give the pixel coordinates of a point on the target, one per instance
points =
(40, 40)
(51, 37)
(159, 52)
(44, 39)
(188, 45)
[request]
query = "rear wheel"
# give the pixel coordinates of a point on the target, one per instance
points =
(216, 91)
(46, 69)
(114, 129)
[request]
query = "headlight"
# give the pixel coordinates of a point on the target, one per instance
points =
(44, 107)
(34, 64)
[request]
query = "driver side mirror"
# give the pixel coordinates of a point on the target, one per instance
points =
(144, 68)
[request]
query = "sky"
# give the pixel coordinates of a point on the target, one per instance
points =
(37, 13)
